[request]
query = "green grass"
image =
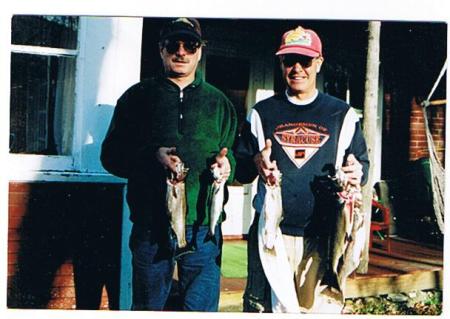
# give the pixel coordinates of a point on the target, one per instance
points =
(234, 259)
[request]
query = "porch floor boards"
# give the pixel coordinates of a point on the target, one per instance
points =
(408, 267)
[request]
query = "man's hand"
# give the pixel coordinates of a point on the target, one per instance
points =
(221, 168)
(353, 170)
(166, 156)
(267, 169)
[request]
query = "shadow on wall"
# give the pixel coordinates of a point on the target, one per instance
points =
(96, 129)
(64, 224)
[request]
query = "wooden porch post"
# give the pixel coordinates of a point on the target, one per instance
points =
(370, 125)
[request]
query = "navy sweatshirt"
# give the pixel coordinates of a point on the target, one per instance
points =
(305, 142)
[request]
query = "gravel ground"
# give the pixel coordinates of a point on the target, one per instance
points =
(428, 302)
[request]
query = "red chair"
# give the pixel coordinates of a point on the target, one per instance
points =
(380, 228)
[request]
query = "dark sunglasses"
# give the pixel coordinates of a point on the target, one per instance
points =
(172, 46)
(290, 60)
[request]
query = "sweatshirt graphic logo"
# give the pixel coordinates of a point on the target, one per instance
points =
(301, 140)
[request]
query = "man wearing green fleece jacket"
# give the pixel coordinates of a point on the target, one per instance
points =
(157, 124)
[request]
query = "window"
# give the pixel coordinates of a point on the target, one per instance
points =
(43, 59)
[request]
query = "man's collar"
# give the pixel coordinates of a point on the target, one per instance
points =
(296, 101)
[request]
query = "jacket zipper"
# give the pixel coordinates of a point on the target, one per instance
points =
(180, 113)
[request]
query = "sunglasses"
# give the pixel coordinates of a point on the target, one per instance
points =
(290, 60)
(190, 47)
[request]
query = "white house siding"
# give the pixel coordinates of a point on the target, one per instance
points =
(108, 62)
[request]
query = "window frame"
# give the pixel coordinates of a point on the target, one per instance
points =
(40, 162)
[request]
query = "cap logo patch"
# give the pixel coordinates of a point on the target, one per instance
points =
(298, 37)
(183, 20)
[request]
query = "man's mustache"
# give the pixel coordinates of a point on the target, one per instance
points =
(182, 60)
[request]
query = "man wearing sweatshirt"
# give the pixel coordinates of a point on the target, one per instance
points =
(299, 133)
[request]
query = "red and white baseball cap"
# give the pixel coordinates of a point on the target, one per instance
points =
(300, 41)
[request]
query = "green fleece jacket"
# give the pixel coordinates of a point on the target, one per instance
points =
(199, 121)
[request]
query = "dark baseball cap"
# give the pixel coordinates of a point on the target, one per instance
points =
(181, 27)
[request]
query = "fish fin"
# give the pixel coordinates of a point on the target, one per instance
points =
(270, 251)
(348, 238)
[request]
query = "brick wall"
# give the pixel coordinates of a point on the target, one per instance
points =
(438, 129)
(64, 245)
(418, 147)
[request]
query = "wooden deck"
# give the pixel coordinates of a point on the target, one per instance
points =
(409, 267)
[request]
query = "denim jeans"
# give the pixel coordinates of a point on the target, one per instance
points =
(257, 291)
(198, 271)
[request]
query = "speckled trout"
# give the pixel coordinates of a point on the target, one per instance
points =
(217, 197)
(272, 252)
(272, 213)
(176, 204)
(347, 238)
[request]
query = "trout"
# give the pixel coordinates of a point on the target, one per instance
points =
(217, 197)
(272, 212)
(272, 252)
(176, 203)
(347, 239)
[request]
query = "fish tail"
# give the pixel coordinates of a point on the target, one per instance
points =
(182, 243)
(269, 241)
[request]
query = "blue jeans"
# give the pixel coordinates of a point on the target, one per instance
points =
(257, 291)
(198, 271)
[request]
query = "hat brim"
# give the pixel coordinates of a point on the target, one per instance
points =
(182, 34)
(298, 50)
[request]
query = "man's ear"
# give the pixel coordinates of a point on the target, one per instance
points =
(319, 64)
(199, 54)
(161, 48)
